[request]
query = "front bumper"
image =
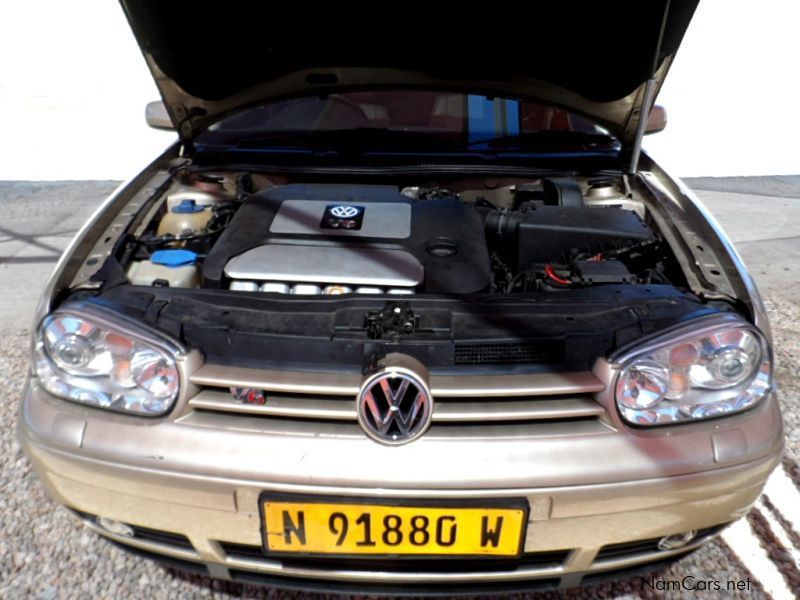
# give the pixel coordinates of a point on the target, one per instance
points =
(599, 499)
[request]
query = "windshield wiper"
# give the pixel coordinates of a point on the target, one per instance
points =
(547, 140)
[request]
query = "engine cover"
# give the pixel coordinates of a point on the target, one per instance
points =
(352, 235)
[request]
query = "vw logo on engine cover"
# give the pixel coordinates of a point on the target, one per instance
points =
(394, 406)
(344, 212)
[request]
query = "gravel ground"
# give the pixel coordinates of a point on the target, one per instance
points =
(45, 554)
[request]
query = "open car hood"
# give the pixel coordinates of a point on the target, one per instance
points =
(595, 59)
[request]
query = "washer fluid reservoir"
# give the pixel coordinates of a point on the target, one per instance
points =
(166, 268)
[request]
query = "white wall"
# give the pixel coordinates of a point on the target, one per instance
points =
(733, 94)
(73, 86)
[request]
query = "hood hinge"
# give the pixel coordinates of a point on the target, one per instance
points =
(185, 128)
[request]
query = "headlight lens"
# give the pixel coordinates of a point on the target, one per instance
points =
(81, 358)
(719, 367)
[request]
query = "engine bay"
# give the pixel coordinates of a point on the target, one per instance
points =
(250, 233)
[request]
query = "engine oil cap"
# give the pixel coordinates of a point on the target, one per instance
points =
(187, 206)
(173, 258)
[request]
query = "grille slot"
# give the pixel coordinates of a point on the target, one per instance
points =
(514, 353)
(162, 537)
(551, 559)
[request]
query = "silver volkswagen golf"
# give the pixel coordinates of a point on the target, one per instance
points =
(404, 311)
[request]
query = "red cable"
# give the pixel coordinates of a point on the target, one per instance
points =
(550, 272)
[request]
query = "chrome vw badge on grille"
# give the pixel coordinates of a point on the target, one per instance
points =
(394, 406)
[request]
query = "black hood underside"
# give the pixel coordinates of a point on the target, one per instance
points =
(209, 59)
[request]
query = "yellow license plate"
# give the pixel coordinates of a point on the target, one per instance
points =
(347, 528)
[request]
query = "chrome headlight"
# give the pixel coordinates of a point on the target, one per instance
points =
(89, 359)
(711, 367)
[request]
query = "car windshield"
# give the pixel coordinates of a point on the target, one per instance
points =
(417, 121)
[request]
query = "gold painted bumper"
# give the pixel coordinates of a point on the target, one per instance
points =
(203, 483)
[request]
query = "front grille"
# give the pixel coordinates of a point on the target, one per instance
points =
(515, 353)
(550, 559)
(469, 402)
(447, 411)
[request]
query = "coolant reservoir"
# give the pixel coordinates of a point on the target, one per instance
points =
(188, 216)
(205, 190)
(182, 193)
(173, 268)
